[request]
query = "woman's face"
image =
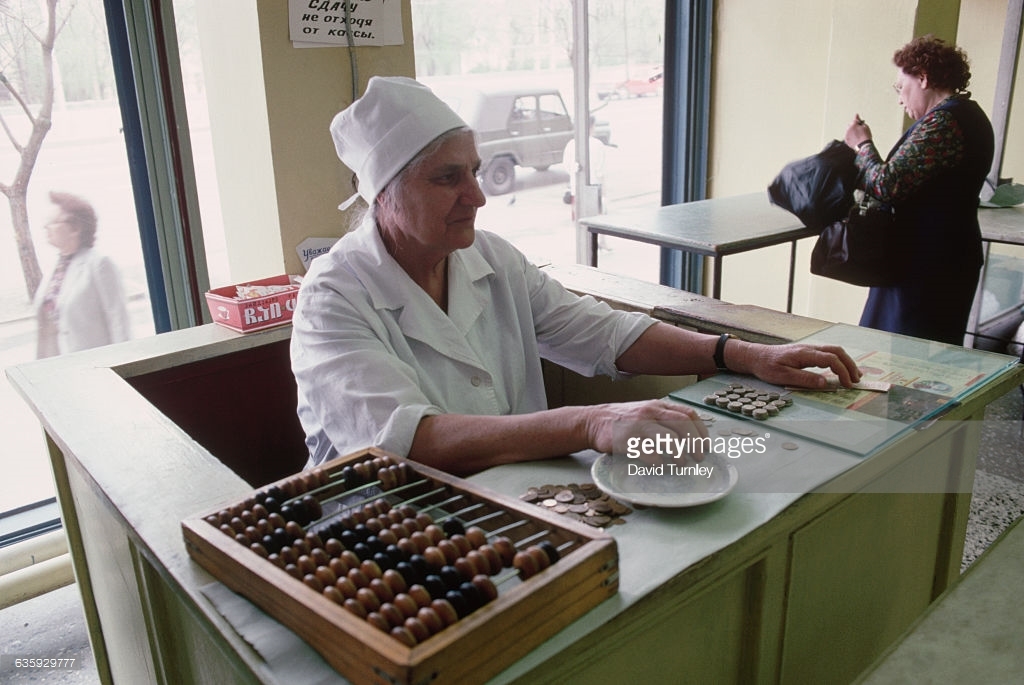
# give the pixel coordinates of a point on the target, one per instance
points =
(63, 234)
(912, 93)
(435, 212)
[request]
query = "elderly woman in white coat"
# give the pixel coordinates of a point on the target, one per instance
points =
(422, 335)
(81, 303)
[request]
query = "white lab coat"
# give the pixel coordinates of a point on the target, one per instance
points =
(373, 354)
(91, 309)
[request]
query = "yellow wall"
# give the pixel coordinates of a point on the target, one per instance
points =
(270, 107)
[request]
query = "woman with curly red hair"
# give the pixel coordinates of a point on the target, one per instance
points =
(932, 178)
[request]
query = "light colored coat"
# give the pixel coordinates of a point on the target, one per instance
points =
(91, 309)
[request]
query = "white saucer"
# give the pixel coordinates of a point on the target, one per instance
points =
(611, 475)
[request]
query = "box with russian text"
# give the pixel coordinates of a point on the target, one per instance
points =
(256, 305)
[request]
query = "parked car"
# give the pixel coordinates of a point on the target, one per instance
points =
(526, 127)
(633, 88)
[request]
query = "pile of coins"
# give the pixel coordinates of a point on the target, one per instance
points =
(582, 502)
(742, 399)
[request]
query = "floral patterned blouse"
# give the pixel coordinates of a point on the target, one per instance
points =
(935, 142)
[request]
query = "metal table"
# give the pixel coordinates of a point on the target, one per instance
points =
(1003, 225)
(713, 228)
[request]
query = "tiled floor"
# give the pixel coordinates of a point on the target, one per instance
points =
(53, 625)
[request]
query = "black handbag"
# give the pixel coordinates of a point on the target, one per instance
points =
(866, 248)
(817, 189)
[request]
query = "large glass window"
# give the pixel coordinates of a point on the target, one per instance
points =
(48, 304)
(516, 87)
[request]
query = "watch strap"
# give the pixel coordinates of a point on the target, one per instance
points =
(720, 352)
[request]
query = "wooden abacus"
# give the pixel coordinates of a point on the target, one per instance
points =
(399, 573)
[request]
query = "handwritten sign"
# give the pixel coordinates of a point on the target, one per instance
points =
(353, 22)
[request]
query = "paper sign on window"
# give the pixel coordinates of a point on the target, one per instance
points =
(322, 23)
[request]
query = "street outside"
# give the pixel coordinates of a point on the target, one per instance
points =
(88, 158)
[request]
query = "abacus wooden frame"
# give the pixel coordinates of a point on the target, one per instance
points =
(480, 645)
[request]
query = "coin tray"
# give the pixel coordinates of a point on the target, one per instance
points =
(526, 611)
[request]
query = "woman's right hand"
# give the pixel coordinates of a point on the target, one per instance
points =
(609, 426)
(857, 132)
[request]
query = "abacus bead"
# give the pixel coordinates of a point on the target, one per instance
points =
(458, 602)
(435, 533)
(550, 550)
(453, 527)
(505, 549)
(384, 561)
(430, 618)
(321, 557)
(358, 578)
(368, 598)
(462, 543)
(392, 614)
(338, 566)
(356, 607)
(333, 547)
(434, 585)
(382, 590)
(378, 621)
(312, 581)
(408, 547)
(465, 567)
(450, 550)
(346, 587)
(434, 557)
(476, 536)
(421, 540)
(445, 611)
(403, 635)
(326, 575)
(406, 604)
(408, 572)
(525, 564)
(371, 569)
(417, 628)
(539, 556)
(486, 587)
(419, 595)
(350, 558)
(388, 479)
(395, 580)
(494, 561)
(451, 577)
(259, 549)
(469, 591)
(332, 594)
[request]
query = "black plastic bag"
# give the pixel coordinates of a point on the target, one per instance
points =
(817, 189)
(866, 248)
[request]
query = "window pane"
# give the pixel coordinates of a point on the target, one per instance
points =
(495, 78)
(83, 154)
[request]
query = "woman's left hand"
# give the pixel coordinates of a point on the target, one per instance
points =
(787, 365)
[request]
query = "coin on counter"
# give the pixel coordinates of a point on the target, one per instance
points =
(790, 446)
(585, 503)
(564, 496)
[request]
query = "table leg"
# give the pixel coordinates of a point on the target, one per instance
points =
(716, 287)
(792, 276)
(591, 248)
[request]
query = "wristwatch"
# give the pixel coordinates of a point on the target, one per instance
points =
(720, 352)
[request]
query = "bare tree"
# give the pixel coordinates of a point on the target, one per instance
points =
(17, 190)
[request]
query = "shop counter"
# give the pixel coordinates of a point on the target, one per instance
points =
(808, 578)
